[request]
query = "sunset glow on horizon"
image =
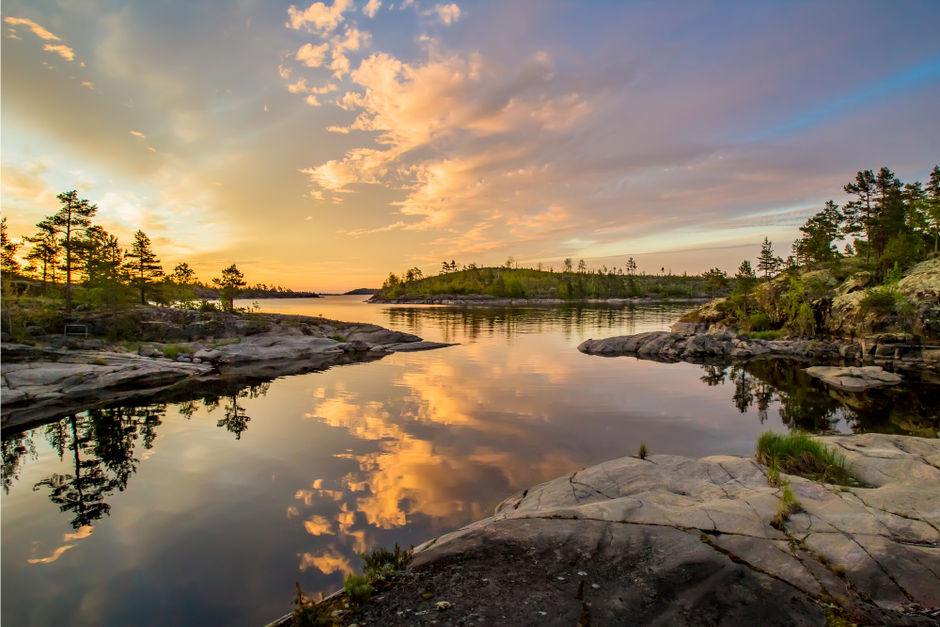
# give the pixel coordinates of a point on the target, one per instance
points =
(323, 145)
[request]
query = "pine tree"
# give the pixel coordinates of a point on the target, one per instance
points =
(45, 249)
(142, 264)
(767, 262)
(859, 213)
(228, 285)
(933, 204)
(72, 220)
(8, 263)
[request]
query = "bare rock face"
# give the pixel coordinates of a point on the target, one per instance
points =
(854, 378)
(679, 541)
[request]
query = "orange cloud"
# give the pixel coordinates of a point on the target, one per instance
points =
(312, 56)
(371, 8)
(331, 561)
(38, 30)
(318, 17)
(60, 49)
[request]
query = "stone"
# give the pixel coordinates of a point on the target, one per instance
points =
(854, 378)
(149, 351)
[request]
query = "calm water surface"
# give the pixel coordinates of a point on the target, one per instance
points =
(207, 512)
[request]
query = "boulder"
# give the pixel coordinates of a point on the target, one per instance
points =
(854, 378)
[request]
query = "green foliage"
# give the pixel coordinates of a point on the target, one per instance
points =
(380, 563)
(774, 334)
(229, 283)
(357, 588)
(642, 453)
(885, 301)
(799, 454)
(308, 613)
(759, 321)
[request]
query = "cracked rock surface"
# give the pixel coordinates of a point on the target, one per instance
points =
(679, 541)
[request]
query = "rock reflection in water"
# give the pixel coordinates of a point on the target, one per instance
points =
(808, 404)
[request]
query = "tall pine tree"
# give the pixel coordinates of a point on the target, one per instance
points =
(142, 264)
(71, 222)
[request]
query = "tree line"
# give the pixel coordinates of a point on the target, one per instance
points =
(887, 227)
(68, 250)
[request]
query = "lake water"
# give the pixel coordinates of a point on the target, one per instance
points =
(207, 512)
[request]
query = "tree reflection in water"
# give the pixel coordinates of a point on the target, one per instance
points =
(99, 447)
(100, 443)
(808, 404)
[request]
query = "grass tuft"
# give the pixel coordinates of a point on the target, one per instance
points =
(642, 452)
(788, 505)
(799, 454)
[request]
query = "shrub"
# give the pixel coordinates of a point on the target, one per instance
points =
(381, 562)
(357, 588)
(205, 306)
(643, 452)
(878, 300)
(798, 454)
(307, 613)
(759, 321)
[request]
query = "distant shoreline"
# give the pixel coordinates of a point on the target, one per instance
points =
(494, 301)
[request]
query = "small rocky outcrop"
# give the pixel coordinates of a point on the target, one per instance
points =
(853, 378)
(44, 382)
(895, 350)
(679, 541)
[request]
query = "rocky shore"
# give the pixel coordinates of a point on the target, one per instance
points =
(679, 541)
(685, 343)
(55, 376)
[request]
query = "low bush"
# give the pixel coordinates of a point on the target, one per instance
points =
(380, 563)
(357, 588)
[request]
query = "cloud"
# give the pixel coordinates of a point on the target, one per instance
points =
(299, 87)
(312, 56)
(447, 13)
(318, 17)
(88, 84)
(339, 63)
(38, 30)
(330, 561)
(372, 7)
(430, 121)
(138, 134)
(60, 49)
(312, 101)
(352, 39)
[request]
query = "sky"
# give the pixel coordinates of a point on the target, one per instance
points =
(322, 145)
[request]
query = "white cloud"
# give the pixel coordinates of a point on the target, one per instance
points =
(318, 17)
(447, 13)
(312, 56)
(372, 7)
(137, 134)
